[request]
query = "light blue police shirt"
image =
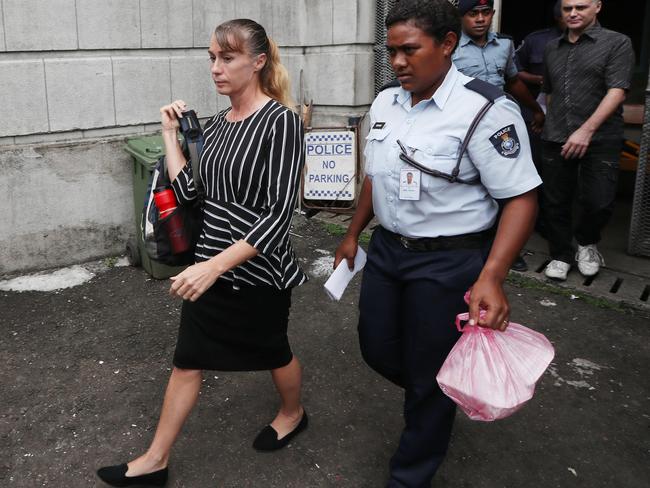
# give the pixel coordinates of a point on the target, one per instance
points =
(432, 132)
(494, 62)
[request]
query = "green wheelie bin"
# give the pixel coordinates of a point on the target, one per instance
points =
(145, 151)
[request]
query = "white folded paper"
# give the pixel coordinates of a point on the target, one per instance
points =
(338, 281)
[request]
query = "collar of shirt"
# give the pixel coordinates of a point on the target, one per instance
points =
(465, 39)
(439, 97)
(593, 32)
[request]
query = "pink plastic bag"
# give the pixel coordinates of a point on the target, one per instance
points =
(491, 374)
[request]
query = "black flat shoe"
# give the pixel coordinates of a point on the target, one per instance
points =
(116, 476)
(267, 439)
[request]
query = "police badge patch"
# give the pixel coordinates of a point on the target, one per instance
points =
(506, 142)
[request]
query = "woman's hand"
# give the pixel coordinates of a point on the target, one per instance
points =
(169, 115)
(191, 283)
(488, 294)
(347, 250)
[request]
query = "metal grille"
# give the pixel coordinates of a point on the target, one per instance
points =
(383, 71)
(639, 242)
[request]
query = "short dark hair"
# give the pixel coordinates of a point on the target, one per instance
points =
(435, 17)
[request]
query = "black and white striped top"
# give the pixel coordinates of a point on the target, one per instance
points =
(251, 173)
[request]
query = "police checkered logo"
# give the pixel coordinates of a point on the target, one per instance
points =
(328, 193)
(345, 137)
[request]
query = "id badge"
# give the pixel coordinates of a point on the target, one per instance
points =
(409, 184)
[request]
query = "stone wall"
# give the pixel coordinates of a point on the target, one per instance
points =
(78, 76)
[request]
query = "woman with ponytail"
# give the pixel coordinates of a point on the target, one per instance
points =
(236, 298)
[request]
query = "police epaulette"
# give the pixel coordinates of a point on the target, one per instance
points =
(499, 35)
(488, 90)
(390, 84)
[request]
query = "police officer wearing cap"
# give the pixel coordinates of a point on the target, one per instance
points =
(490, 57)
(435, 243)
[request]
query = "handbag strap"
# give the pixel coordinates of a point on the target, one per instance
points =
(192, 146)
(193, 136)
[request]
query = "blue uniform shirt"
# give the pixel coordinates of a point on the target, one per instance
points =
(530, 54)
(494, 62)
(432, 131)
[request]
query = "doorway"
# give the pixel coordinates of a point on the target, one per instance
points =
(631, 17)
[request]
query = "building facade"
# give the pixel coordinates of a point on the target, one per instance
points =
(79, 76)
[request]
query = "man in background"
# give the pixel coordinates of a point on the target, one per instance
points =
(587, 73)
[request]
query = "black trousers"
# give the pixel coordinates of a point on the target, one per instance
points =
(592, 180)
(408, 303)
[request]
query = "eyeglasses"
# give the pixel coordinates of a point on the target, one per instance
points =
(451, 178)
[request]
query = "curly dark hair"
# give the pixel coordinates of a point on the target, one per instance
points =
(435, 17)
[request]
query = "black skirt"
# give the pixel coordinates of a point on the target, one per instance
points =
(235, 330)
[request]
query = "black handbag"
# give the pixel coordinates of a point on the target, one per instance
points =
(171, 239)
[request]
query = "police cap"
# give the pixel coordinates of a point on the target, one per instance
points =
(465, 6)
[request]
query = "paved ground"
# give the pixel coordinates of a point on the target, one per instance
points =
(83, 372)
(625, 279)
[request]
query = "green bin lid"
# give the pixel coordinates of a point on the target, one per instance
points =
(146, 149)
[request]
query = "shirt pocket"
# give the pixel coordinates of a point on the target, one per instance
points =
(498, 73)
(437, 153)
(374, 148)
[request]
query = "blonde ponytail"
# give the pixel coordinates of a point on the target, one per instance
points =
(275, 78)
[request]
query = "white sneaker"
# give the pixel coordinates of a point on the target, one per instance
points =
(589, 260)
(557, 270)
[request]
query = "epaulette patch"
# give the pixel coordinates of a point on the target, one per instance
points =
(506, 142)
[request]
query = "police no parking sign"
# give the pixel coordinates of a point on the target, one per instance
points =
(330, 165)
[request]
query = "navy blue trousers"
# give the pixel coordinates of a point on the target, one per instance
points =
(409, 301)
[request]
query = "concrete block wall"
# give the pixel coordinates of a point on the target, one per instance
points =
(73, 72)
(62, 206)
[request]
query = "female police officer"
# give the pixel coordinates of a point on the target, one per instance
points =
(434, 244)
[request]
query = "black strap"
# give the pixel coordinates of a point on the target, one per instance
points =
(194, 161)
(193, 135)
(488, 91)
(463, 148)
(453, 177)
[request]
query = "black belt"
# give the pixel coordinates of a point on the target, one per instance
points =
(476, 240)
